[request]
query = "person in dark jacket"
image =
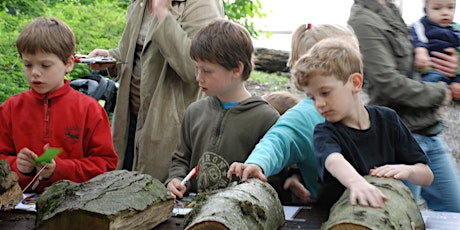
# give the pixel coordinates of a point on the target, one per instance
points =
(388, 56)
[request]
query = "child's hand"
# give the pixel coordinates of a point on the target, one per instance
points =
(398, 172)
(422, 58)
(295, 185)
(49, 169)
(245, 170)
(366, 194)
(175, 188)
(26, 160)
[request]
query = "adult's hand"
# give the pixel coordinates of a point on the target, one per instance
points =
(100, 53)
(447, 63)
(160, 8)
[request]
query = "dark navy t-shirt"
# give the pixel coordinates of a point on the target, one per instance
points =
(387, 141)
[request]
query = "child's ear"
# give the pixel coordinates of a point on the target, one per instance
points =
(238, 71)
(69, 64)
(357, 81)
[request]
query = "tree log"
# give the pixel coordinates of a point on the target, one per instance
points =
(10, 191)
(399, 212)
(270, 60)
(113, 200)
(250, 205)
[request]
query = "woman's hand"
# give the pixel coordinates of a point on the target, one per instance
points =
(160, 8)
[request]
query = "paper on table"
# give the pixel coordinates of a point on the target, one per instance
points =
(291, 211)
(28, 203)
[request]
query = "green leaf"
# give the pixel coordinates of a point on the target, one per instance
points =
(48, 155)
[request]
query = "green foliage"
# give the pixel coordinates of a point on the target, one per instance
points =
(96, 24)
(243, 11)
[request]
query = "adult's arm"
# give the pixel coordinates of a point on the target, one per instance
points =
(173, 36)
(391, 85)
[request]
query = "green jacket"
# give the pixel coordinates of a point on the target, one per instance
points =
(167, 85)
(388, 57)
(213, 138)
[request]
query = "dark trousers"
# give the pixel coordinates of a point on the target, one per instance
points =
(129, 153)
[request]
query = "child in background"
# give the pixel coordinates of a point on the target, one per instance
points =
(225, 126)
(435, 31)
(355, 140)
(282, 101)
(52, 114)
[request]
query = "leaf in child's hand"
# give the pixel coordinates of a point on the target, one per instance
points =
(48, 155)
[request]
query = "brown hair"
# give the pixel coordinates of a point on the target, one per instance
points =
(48, 35)
(281, 100)
(225, 43)
(336, 56)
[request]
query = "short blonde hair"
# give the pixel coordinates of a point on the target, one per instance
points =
(307, 35)
(336, 56)
(281, 100)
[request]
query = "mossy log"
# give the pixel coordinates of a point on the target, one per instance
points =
(400, 211)
(10, 191)
(250, 205)
(113, 200)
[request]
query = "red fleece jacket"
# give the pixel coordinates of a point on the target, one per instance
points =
(65, 119)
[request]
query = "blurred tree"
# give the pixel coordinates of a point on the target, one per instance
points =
(243, 11)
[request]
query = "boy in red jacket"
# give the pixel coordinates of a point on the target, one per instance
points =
(52, 114)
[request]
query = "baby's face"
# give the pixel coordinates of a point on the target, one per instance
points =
(440, 12)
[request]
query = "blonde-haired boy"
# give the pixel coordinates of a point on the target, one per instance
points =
(355, 140)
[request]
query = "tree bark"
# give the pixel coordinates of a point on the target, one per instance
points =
(250, 205)
(10, 191)
(113, 200)
(399, 212)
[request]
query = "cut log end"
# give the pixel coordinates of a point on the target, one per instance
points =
(210, 225)
(253, 203)
(348, 226)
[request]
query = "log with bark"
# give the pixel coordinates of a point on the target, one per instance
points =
(10, 191)
(400, 211)
(271, 60)
(114, 200)
(250, 205)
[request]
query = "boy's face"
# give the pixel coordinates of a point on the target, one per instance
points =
(45, 71)
(440, 12)
(215, 80)
(332, 98)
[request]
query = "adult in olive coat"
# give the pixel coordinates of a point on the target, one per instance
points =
(167, 82)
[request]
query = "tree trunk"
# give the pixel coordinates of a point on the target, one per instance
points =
(399, 212)
(250, 205)
(113, 200)
(10, 191)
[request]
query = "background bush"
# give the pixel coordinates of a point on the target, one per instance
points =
(96, 24)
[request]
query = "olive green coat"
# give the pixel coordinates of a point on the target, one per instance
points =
(167, 85)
